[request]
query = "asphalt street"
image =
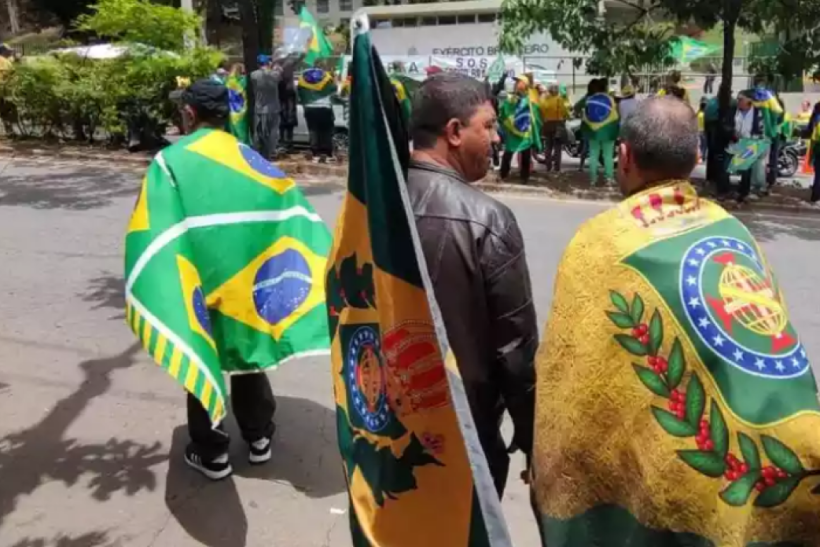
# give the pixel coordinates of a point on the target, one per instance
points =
(92, 433)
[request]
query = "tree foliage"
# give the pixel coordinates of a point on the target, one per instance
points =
(66, 11)
(641, 39)
(140, 21)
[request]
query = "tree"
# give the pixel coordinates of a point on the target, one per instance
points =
(66, 11)
(140, 21)
(14, 16)
(640, 40)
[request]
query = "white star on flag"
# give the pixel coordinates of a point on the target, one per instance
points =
(718, 340)
(760, 364)
(779, 366)
(803, 353)
(795, 362)
(725, 243)
(694, 302)
(700, 251)
(738, 355)
(693, 262)
(691, 281)
(703, 323)
(712, 244)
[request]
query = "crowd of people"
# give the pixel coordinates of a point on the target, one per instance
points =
(575, 437)
(753, 114)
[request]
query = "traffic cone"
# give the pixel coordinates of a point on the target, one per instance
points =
(808, 169)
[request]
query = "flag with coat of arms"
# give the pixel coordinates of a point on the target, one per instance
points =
(224, 265)
(238, 102)
(319, 47)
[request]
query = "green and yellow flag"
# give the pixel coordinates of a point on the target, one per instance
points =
(600, 117)
(224, 265)
(746, 152)
(415, 470)
(405, 88)
(676, 405)
(520, 124)
(315, 84)
(238, 102)
(319, 46)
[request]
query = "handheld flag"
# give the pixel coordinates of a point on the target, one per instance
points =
(319, 46)
(224, 259)
(746, 152)
(238, 102)
(676, 404)
(416, 473)
(496, 70)
(685, 50)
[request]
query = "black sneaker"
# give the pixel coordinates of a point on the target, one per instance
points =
(217, 469)
(259, 451)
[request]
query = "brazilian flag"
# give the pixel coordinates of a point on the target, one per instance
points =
(415, 471)
(746, 152)
(315, 84)
(601, 120)
(766, 101)
(520, 124)
(405, 87)
(676, 404)
(238, 102)
(224, 265)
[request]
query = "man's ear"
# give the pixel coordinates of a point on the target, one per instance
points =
(452, 132)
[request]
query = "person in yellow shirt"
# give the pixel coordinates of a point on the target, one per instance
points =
(702, 129)
(554, 114)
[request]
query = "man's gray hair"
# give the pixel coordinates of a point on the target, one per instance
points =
(441, 98)
(662, 134)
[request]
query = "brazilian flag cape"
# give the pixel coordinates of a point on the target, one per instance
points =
(765, 101)
(675, 401)
(224, 265)
(600, 119)
(405, 88)
(415, 471)
(238, 102)
(315, 84)
(520, 124)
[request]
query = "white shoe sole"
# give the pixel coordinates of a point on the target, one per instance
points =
(256, 459)
(213, 475)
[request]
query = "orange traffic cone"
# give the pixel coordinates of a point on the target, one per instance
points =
(808, 169)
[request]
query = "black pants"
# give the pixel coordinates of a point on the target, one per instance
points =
(320, 126)
(771, 172)
(815, 187)
(286, 137)
(253, 406)
(266, 133)
(716, 160)
(496, 158)
(554, 135)
(526, 164)
(709, 85)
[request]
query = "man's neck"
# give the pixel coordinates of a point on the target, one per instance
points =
(435, 157)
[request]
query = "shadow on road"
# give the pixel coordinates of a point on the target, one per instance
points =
(305, 456)
(106, 291)
(40, 454)
(91, 539)
(72, 186)
(770, 228)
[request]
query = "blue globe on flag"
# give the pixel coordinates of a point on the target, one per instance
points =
(236, 101)
(598, 109)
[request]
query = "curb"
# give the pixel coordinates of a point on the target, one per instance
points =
(333, 175)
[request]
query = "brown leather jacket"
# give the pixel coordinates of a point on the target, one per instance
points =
(475, 255)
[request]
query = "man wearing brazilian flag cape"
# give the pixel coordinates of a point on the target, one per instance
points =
(676, 404)
(415, 469)
(224, 260)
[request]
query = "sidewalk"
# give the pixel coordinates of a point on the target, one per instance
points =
(570, 184)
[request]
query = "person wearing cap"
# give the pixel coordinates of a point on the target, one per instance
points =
(628, 102)
(205, 108)
(266, 106)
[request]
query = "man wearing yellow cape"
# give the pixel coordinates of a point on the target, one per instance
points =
(676, 405)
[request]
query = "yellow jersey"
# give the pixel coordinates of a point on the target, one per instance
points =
(701, 121)
(553, 108)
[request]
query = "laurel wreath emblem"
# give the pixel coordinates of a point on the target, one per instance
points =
(685, 417)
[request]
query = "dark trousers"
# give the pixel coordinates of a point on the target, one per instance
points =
(495, 154)
(709, 85)
(771, 172)
(266, 134)
(745, 187)
(716, 144)
(320, 126)
(554, 135)
(253, 407)
(526, 164)
(815, 187)
(286, 137)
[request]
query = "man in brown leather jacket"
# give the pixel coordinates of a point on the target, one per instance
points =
(475, 255)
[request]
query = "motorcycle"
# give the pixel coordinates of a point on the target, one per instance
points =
(789, 157)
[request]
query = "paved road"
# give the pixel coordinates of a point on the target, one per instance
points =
(91, 432)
